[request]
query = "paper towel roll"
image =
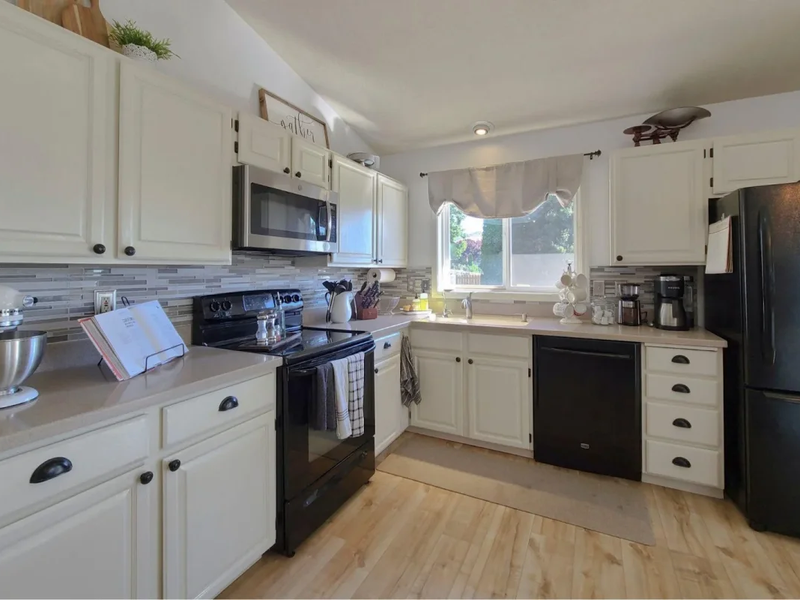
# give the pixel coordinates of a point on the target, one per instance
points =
(381, 275)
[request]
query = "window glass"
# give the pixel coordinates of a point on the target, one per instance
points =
(476, 250)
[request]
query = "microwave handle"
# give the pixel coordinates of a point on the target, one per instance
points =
(330, 221)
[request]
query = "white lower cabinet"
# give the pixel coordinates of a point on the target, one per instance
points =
(219, 508)
(441, 380)
(391, 417)
(484, 396)
(499, 401)
(98, 544)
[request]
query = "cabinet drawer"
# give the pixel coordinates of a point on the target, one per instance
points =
(499, 345)
(88, 457)
(682, 423)
(682, 389)
(388, 346)
(192, 417)
(436, 340)
(701, 466)
(682, 361)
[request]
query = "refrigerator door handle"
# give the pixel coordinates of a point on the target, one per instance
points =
(767, 289)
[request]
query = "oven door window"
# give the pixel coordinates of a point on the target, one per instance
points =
(277, 213)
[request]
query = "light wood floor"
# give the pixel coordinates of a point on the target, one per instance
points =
(398, 538)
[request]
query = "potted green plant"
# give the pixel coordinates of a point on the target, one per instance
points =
(139, 44)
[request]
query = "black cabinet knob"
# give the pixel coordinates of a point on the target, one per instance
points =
(130, 251)
(679, 461)
(287, 170)
(174, 465)
(297, 174)
(682, 423)
(50, 469)
(380, 261)
(619, 257)
(386, 345)
(680, 359)
(99, 249)
(470, 361)
(229, 403)
(376, 371)
(680, 388)
(146, 477)
(458, 359)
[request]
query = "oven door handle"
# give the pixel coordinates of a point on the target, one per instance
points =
(302, 372)
(329, 210)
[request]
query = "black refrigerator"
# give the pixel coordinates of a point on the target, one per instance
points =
(757, 310)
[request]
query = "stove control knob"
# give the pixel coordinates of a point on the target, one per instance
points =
(214, 306)
(286, 299)
(226, 305)
(296, 298)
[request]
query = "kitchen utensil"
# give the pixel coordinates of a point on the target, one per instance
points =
(387, 304)
(50, 10)
(86, 22)
(20, 355)
(341, 310)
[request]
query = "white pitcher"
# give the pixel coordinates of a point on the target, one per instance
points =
(341, 311)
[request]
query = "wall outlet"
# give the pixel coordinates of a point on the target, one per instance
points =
(104, 301)
(598, 288)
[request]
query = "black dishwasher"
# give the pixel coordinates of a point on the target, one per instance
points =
(587, 405)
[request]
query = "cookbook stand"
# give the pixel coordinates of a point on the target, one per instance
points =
(147, 358)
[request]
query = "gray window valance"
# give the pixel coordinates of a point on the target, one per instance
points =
(509, 190)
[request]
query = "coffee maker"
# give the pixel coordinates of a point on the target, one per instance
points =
(670, 312)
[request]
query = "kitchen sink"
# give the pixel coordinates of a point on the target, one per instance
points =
(481, 320)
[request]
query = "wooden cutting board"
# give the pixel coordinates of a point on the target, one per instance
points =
(47, 9)
(87, 22)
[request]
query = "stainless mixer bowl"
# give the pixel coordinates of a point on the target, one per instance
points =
(20, 355)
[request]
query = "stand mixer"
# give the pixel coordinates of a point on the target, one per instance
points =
(20, 351)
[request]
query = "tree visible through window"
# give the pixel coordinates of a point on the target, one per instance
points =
(537, 248)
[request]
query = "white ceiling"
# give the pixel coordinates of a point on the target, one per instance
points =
(413, 73)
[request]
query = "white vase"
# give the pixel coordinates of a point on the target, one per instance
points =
(341, 312)
(137, 52)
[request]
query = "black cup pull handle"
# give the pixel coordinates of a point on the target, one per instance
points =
(174, 465)
(681, 388)
(228, 403)
(682, 423)
(679, 461)
(680, 359)
(51, 468)
(386, 345)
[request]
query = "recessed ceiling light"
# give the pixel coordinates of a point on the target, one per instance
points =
(482, 128)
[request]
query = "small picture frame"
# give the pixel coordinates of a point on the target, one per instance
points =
(277, 110)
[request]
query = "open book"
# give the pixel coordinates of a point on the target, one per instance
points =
(135, 339)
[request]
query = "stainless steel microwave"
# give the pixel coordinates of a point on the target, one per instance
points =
(277, 212)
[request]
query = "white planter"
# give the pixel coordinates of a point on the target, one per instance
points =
(137, 52)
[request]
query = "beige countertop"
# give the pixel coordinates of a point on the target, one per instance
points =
(384, 325)
(74, 398)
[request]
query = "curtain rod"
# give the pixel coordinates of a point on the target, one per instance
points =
(591, 156)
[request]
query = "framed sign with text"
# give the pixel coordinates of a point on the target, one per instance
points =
(277, 110)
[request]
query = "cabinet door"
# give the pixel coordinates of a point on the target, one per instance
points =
(499, 397)
(98, 544)
(758, 159)
(392, 223)
(356, 212)
(310, 162)
(57, 122)
(389, 409)
(658, 205)
(219, 508)
(441, 379)
(264, 144)
(174, 171)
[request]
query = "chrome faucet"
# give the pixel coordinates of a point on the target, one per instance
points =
(445, 313)
(467, 304)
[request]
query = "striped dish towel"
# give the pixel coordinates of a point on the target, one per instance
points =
(355, 394)
(341, 378)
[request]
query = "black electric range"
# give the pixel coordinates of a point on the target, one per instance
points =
(316, 471)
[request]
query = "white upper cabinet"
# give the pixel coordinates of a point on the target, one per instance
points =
(219, 508)
(175, 146)
(356, 212)
(499, 401)
(97, 544)
(56, 141)
(311, 163)
(658, 204)
(756, 159)
(392, 223)
(264, 144)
